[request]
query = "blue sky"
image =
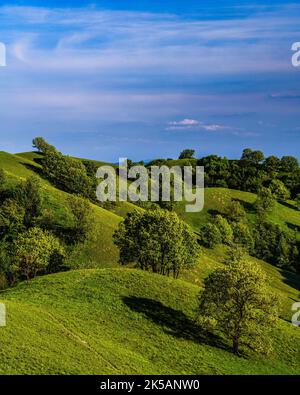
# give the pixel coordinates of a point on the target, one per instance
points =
(144, 79)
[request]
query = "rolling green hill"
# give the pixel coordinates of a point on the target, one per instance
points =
(216, 200)
(102, 319)
(98, 252)
(122, 321)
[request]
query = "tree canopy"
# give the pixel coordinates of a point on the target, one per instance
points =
(236, 302)
(157, 240)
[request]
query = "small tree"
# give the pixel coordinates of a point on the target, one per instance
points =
(235, 211)
(11, 219)
(242, 236)
(187, 154)
(28, 194)
(236, 254)
(82, 218)
(33, 251)
(279, 190)
(42, 146)
(210, 235)
(237, 303)
(265, 202)
(156, 240)
(225, 229)
(252, 156)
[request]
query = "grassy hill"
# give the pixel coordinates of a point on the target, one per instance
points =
(98, 252)
(216, 200)
(125, 321)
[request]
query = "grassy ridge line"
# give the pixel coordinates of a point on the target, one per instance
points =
(121, 321)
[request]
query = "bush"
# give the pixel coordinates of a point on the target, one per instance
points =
(225, 229)
(32, 252)
(210, 235)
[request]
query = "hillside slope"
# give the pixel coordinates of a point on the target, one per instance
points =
(121, 321)
(98, 252)
(217, 199)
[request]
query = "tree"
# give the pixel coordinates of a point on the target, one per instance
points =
(187, 154)
(83, 222)
(28, 194)
(265, 201)
(42, 146)
(32, 252)
(275, 245)
(237, 303)
(225, 229)
(252, 156)
(11, 219)
(236, 254)
(156, 240)
(235, 212)
(210, 235)
(242, 236)
(289, 164)
(279, 190)
(272, 164)
(65, 172)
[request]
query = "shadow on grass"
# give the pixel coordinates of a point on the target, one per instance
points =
(173, 322)
(291, 279)
(293, 226)
(249, 207)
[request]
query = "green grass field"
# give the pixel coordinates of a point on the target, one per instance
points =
(122, 321)
(105, 319)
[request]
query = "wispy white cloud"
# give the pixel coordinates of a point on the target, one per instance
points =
(194, 124)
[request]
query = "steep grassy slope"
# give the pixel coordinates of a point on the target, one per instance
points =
(121, 321)
(98, 251)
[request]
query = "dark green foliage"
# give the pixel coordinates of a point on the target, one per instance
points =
(187, 154)
(265, 202)
(42, 146)
(82, 218)
(67, 173)
(156, 240)
(252, 156)
(225, 229)
(242, 236)
(11, 219)
(28, 196)
(210, 235)
(235, 212)
(217, 170)
(274, 245)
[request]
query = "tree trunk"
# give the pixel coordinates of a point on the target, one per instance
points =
(235, 344)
